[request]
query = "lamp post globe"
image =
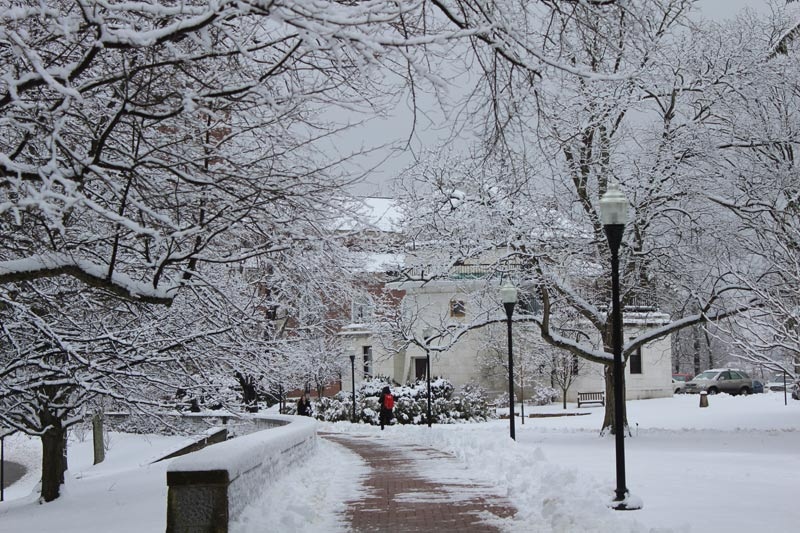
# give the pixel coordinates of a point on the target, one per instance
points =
(508, 294)
(613, 206)
(614, 215)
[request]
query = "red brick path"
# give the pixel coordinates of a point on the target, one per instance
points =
(400, 499)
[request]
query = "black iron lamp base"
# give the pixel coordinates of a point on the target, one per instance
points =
(630, 503)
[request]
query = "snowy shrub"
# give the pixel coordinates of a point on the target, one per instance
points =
(331, 409)
(501, 400)
(409, 410)
(411, 403)
(544, 395)
(473, 404)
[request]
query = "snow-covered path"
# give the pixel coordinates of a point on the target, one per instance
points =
(406, 491)
(729, 467)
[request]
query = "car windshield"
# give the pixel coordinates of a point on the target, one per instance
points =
(708, 374)
(679, 378)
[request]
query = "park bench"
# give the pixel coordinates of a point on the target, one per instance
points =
(591, 397)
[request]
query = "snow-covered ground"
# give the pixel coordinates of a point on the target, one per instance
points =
(729, 467)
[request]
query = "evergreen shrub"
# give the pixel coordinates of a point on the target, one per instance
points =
(411, 403)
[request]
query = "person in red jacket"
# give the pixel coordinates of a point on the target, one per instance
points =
(387, 405)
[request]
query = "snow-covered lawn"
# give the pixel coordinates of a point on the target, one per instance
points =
(730, 467)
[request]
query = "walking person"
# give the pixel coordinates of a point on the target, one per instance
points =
(387, 405)
(304, 406)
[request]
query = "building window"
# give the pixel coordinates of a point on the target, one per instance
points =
(361, 312)
(636, 361)
(420, 368)
(529, 303)
(458, 308)
(367, 353)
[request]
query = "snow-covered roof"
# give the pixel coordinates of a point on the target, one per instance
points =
(383, 262)
(383, 213)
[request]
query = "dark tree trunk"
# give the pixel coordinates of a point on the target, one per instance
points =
(249, 392)
(54, 459)
(608, 419)
(710, 350)
(696, 349)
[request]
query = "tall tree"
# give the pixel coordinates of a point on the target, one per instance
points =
(530, 207)
(756, 162)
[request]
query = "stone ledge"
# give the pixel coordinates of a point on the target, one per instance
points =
(210, 488)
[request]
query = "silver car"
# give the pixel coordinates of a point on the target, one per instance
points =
(779, 381)
(732, 381)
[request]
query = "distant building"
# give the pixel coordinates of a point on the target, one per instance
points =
(427, 306)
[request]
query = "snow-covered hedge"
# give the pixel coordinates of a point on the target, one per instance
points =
(411, 403)
(544, 395)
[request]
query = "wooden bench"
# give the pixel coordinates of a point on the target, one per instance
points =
(591, 397)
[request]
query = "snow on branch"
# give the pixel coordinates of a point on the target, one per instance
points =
(53, 265)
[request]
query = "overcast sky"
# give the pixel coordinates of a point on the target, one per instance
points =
(432, 127)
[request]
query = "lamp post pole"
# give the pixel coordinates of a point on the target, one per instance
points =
(522, 397)
(785, 402)
(353, 381)
(428, 334)
(2, 468)
(614, 212)
(508, 293)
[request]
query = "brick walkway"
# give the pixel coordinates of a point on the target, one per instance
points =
(400, 498)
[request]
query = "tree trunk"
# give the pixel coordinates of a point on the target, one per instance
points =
(54, 459)
(608, 419)
(696, 349)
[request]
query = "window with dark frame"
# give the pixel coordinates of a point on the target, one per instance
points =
(529, 303)
(635, 361)
(361, 312)
(367, 353)
(458, 308)
(420, 368)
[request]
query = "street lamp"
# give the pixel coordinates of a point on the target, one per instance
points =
(508, 293)
(2, 467)
(353, 381)
(428, 333)
(614, 214)
(522, 395)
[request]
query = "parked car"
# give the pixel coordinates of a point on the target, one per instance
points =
(776, 381)
(732, 381)
(758, 387)
(679, 381)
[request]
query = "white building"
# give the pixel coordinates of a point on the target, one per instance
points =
(427, 308)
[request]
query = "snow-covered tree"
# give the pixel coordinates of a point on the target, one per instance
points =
(529, 207)
(756, 161)
(67, 351)
(143, 147)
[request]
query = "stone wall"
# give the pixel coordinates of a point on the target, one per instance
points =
(210, 488)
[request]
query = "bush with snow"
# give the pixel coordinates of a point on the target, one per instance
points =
(411, 403)
(544, 395)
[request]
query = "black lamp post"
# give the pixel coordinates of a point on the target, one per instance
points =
(508, 293)
(522, 397)
(428, 334)
(614, 214)
(2, 468)
(353, 381)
